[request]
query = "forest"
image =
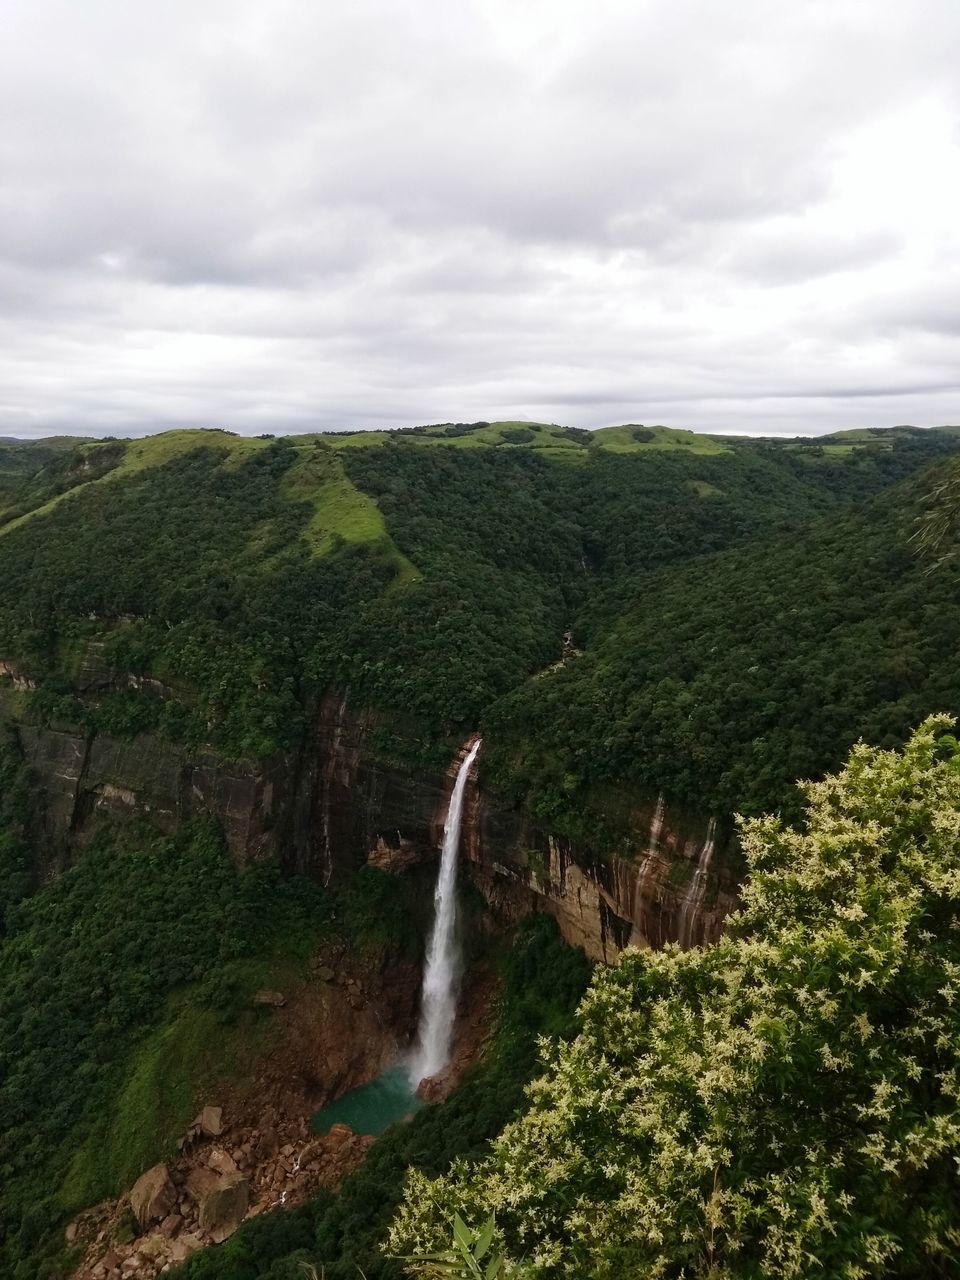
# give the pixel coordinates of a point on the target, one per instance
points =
(633, 611)
(200, 565)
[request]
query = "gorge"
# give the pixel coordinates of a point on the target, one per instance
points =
(236, 685)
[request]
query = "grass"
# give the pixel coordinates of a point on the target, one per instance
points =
(173, 1071)
(566, 442)
(627, 439)
(340, 510)
(704, 490)
(816, 454)
(139, 455)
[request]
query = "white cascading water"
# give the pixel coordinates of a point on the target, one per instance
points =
(440, 976)
(697, 889)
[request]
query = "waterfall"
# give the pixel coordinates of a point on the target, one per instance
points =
(696, 892)
(649, 868)
(440, 977)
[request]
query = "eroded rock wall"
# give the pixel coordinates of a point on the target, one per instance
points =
(676, 888)
(334, 805)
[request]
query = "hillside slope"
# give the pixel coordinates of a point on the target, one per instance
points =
(288, 640)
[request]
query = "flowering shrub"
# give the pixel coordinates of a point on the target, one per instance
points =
(782, 1104)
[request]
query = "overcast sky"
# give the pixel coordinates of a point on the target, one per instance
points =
(295, 214)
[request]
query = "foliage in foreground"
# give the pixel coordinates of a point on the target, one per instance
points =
(469, 1256)
(782, 1104)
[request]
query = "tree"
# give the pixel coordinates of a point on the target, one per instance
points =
(938, 528)
(786, 1103)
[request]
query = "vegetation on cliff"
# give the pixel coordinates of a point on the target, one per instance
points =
(786, 1103)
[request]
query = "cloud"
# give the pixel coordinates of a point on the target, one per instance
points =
(292, 216)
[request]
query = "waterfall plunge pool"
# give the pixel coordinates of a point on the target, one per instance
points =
(371, 1107)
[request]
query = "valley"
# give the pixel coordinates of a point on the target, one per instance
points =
(240, 680)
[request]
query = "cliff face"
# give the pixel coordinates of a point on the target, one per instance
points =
(675, 892)
(77, 779)
(677, 888)
(333, 806)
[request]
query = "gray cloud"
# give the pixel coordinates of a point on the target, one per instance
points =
(292, 216)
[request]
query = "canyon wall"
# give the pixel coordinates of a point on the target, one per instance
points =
(334, 805)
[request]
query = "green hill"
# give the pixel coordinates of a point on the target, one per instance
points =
(623, 614)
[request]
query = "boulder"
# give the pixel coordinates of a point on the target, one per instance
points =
(171, 1225)
(153, 1195)
(223, 1163)
(224, 1206)
(276, 998)
(200, 1182)
(210, 1122)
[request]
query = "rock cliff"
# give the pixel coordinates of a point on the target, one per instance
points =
(336, 804)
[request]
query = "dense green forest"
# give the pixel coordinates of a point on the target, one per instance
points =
(631, 611)
(723, 680)
(432, 580)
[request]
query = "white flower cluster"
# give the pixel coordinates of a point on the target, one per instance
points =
(784, 1104)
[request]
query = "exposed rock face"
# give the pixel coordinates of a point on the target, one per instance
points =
(671, 891)
(224, 1205)
(333, 806)
(77, 779)
(153, 1195)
